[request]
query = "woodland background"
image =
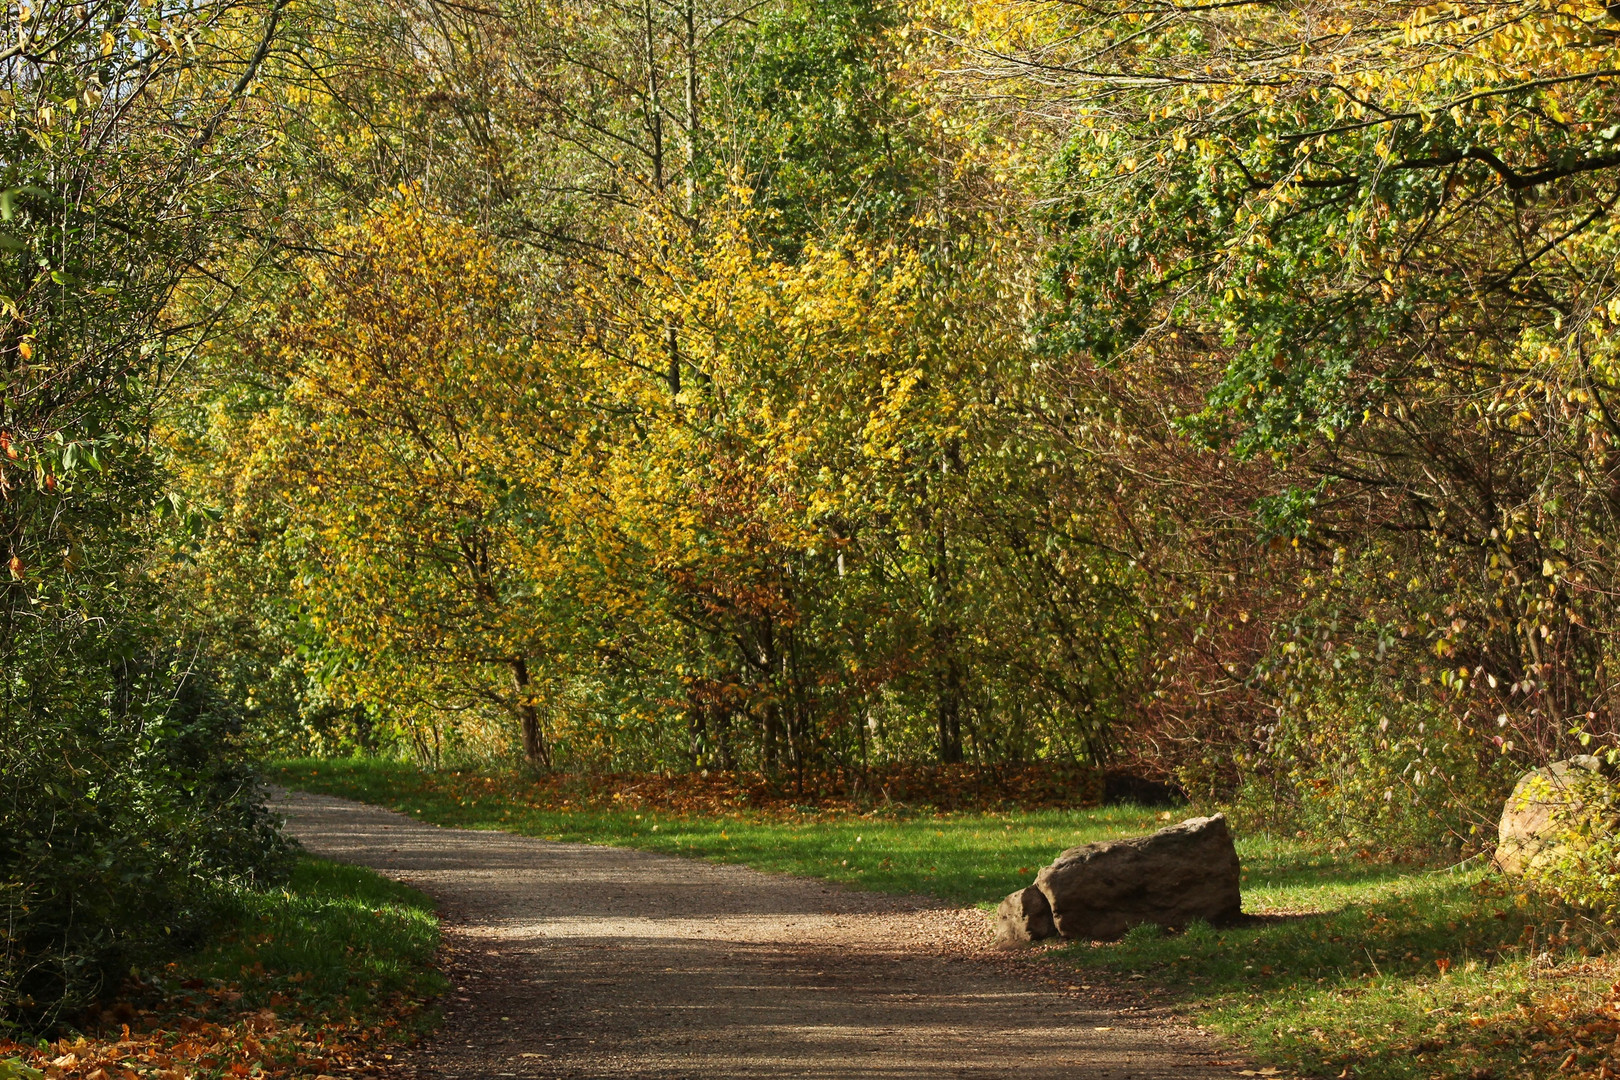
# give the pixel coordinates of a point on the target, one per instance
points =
(1224, 392)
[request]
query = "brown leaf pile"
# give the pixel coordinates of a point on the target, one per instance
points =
(1573, 1038)
(931, 787)
(201, 1036)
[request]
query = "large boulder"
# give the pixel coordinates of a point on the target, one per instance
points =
(1178, 874)
(1550, 809)
(1023, 917)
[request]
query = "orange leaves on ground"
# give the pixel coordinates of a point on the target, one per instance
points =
(1571, 1027)
(199, 1037)
(931, 787)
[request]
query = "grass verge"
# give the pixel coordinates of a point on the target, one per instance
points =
(960, 856)
(1386, 976)
(1351, 967)
(327, 975)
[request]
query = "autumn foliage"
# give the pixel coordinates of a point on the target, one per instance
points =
(1219, 392)
(1225, 393)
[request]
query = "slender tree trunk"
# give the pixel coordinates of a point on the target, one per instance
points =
(771, 739)
(534, 744)
(673, 343)
(948, 705)
(655, 133)
(722, 738)
(655, 105)
(692, 126)
(696, 728)
(947, 662)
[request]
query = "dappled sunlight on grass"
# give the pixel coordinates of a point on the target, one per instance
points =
(1382, 971)
(338, 939)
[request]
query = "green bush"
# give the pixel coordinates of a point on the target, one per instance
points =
(1578, 859)
(1374, 767)
(119, 819)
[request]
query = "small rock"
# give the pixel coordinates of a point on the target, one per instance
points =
(1023, 917)
(1546, 808)
(1178, 874)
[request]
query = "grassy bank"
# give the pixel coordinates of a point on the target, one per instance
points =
(327, 974)
(338, 943)
(1419, 974)
(1351, 967)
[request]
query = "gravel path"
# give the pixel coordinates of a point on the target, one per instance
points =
(573, 960)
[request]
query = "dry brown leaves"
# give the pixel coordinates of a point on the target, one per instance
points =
(167, 1044)
(1568, 1029)
(1571, 1036)
(937, 787)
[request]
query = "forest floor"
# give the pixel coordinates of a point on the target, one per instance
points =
(577, 960)
(1350, 965)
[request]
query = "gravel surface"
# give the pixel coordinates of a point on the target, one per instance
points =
(575, 960)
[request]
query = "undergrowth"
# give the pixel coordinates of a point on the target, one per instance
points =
(328, 974)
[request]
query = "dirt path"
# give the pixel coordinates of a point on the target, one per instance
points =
(573, 960)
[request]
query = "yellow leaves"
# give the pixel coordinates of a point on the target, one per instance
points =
(420, 464)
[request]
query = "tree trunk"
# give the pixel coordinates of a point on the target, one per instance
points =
(722, 738)
(535, 750)
(697, 723)
(947, 662)
(770, 750)
(948, 707)
(690, 15)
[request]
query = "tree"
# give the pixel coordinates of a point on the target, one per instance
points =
(420, 453)
(125, 153)
(1367, 247)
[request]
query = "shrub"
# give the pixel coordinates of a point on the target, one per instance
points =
(119, 819)
(1374, 767)
(1578, 859)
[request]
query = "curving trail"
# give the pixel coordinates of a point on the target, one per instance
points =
(574, 960)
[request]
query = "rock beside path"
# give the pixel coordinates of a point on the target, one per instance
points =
(1551, 808)
(1024, 916)
(1099, 891)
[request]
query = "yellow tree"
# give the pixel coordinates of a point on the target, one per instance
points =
(837, 508)
(1350, 267)
(412, 467)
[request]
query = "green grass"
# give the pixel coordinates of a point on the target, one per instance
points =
(325, 975)
(958, 856)
(337, 942)
(1362, 968)
(1393, 975)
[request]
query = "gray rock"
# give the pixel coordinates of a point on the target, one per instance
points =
(1180, 873)
(1550, 809)
(1024, 916)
